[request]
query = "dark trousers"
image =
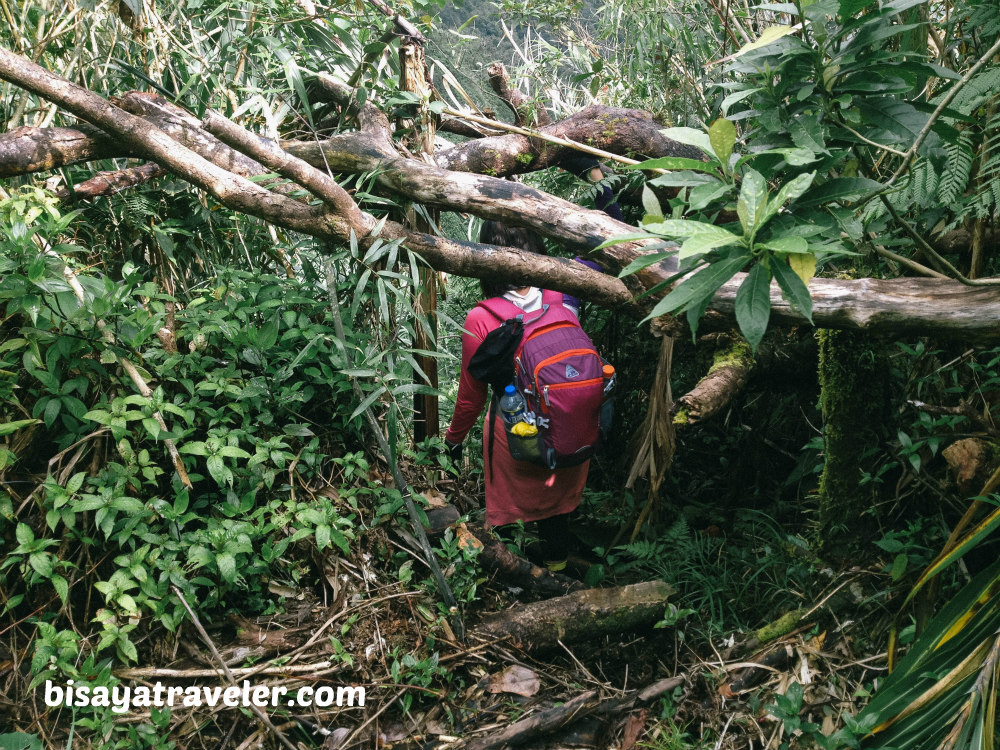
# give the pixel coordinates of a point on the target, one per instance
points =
(553, 533)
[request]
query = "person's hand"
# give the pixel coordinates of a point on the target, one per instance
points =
(454, 451)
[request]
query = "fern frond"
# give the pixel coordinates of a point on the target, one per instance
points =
(980, 88)
(956, 175)
(986, 19)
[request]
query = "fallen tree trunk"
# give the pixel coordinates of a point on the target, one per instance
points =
(572, 710)
(725, 378)
(495, 557)
(897, 307)
(582, 615)
(540, 723)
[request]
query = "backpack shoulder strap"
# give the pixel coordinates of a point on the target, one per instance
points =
(503, 309)
(500, 308)
(551, 298)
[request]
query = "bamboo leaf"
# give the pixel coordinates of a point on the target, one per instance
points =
(769, 36)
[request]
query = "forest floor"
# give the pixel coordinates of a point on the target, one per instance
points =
(370, 619)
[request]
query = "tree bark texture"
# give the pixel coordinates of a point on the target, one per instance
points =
(580, 616)
(853, 378)
(176, 142)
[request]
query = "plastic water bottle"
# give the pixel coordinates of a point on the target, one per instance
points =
(512, 405)
(608, 403)
(610, 377)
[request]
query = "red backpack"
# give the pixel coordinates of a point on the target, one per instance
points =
(560, 374)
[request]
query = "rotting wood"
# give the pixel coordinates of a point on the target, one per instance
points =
(541, 723)
(726, 377)
(495, 557)
(579, 616)
(573, 710)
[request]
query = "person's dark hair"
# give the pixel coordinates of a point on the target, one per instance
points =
(495, 233)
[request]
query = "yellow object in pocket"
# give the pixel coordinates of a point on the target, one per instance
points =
(523, 429)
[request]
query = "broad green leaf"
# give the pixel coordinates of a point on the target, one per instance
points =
(792, 289)
(61, 585)
(42, 563)
(217, 468)
(322, 536)
(671, 163)
(24, 534)
(693, 290)
(789, 192)
(75, 482)
(268, 335)
(650, 203)
(794, 157)
(231, 451)
(804, 265)
(340, 540)
(807, 134)
(892, 122)
(753, 304)
(630, 237)
(786, 244)
(227, 567)
(690, 228)
(700, 243)
(752, 201)
(899, 566)
(736, 97)
(7, 428)
(702, 195)
(840, 188)
(722, 136)
(645, 261)
(691, 137)
(769, 36)
(685, 178)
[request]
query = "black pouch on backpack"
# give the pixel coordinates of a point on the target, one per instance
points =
(493, 361)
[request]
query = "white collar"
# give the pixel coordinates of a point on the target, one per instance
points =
(529, 301)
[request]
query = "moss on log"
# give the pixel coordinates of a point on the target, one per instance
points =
(853, 381)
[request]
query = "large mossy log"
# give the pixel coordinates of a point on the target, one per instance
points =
(580, 616)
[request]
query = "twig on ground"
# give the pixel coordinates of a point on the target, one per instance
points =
(227, 672)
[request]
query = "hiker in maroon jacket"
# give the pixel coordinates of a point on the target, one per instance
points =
(515, 490)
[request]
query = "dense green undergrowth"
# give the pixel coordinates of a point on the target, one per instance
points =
(102, 535)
